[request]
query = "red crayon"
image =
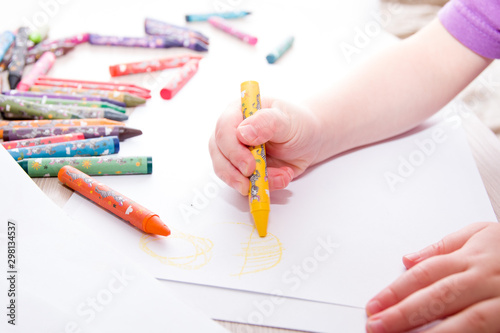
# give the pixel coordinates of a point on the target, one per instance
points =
(116, 203)
(43, 140)
(151, 65)
(180, 79)
(81, 84)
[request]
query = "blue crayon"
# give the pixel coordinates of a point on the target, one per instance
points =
(226, 15)
(6, 40)
(89, 147)
(280, 50)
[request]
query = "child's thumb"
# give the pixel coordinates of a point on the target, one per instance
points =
(265, 125)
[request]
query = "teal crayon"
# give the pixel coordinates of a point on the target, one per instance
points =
(284, 46)
(89, 147)
(94, 166)
(225, 15)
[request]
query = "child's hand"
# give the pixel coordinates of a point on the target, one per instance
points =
(291, 134)
(456, 280)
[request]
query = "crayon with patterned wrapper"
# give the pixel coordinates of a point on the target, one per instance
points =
(70, 103)
(151, 65)
(258, 195)
(93, 166)
(76, 39)
(226, 15)
(59, 50)
(41, 67)
(156, 27)
(18, 59)
(223, 25)
(72, 97)
(88, 132)
(6, 40)
(30, 110)
(87, 147)
(6, 58)
(149, 42)
(109, 199)
(81, 84)
(43, 141)
(11, 124)
(276, 53)
(129, 99)
(179, 79)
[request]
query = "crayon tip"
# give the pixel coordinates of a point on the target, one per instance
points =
(23, 164)
(260, 218)
(129, 133)
(154, 225)
(115, 115)
(131, 100)
(14, 81)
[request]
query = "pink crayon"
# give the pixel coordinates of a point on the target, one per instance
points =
(182, 76)
(41, 67)
(222, 24)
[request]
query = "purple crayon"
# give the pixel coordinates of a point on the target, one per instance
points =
(156, 27)
(148, 41)
(89, 132)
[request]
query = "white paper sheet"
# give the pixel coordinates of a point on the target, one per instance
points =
(336, 235)
(64, 280)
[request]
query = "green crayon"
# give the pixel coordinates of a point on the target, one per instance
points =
(94, 166)
(69, 103)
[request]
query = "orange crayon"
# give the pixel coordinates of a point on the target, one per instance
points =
(113, 201)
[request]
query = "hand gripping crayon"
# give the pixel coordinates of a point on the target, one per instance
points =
(180, 79)
(93, 166)
(258, 196)
(47, 140)
(223, 25)
(89, 132)
(116, 203)
(89, 147)
(41, 67)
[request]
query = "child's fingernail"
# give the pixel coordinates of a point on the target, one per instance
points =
(413, 257)
(243, 167)
(375, 326)
(248, 133)
(373, 307)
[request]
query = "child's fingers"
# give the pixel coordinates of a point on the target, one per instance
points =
(279, 178)
(448, 244)
(266, 125)
(226, 171)
(415, 279)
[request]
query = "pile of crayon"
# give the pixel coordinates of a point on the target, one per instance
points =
(42, 147)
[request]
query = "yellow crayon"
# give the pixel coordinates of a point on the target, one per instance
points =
(258, 195)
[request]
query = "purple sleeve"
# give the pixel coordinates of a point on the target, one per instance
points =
(475, 23)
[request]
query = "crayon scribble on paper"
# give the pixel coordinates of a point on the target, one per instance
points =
(191, 252)
(259, 253)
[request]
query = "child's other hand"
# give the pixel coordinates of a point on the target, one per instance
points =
(291, 134)
(456, 280)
